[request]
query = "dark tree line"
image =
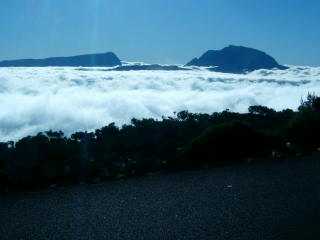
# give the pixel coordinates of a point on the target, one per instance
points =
(186, 141)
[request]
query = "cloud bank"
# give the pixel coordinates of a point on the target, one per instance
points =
(74, 99)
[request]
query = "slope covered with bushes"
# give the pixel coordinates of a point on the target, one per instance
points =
(187, 141)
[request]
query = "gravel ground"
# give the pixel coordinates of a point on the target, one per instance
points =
(262, 201)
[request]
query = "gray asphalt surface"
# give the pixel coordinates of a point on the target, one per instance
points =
(261, 201)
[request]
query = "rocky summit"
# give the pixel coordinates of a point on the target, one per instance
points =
(236, 59)
(108, 59)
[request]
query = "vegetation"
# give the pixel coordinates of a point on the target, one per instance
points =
(186, 141)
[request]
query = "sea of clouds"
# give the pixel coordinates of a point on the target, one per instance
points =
(74, 99)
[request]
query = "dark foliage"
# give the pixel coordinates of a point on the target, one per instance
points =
(304, 128)
(186, 141)
(228, 142)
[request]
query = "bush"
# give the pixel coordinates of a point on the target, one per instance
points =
(312, 103)
(227, 142)
(261, 110)
(304, 128)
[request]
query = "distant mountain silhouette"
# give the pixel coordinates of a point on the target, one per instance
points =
(236, 59)
(149, 67)
(108, 59)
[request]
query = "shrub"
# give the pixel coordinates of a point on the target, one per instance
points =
(304, 129)
(312, 103)
(261, 110)
(225, 143)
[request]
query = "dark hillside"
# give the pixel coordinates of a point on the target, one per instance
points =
(236, 59)
(108, 59)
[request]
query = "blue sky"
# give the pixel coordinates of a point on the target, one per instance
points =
(163, 31)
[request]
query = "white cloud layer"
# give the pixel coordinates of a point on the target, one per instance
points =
(73, 99)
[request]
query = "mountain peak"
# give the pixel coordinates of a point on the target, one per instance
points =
(236, 59)
(108, 59)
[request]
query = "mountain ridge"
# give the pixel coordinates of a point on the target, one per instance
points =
(236, 59)
(108, 59)
(231, 59)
